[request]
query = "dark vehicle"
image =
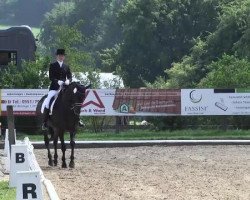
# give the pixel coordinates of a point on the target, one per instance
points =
(16, 44)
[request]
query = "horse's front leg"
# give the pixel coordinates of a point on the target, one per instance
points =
(63, 148)
(72, 145)
(55, 147)
(46, 141)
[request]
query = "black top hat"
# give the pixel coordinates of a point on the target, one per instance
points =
(60, 52)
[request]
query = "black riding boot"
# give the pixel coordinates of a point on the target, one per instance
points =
(45, 118)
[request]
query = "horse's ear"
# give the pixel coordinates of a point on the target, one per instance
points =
(88, 86)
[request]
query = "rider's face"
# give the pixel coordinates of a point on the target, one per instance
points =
(60, 57)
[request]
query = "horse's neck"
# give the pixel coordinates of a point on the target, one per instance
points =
(65, 102)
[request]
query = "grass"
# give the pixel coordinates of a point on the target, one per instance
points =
(6, 193)
(35, 30)
(154, 135)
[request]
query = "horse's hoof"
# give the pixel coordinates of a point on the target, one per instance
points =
(72, 165)
(50, 163)
(64, 165)
(55, 163)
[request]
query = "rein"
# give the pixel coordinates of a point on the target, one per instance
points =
(76, 105)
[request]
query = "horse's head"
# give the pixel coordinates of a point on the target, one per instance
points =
(75, 94)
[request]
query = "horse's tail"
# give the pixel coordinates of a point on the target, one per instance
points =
(39, 105)
(38, 111)
(39, 115)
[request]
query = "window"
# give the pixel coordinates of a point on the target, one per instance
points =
(8, 57)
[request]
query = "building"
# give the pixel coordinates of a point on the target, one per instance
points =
(16, 44)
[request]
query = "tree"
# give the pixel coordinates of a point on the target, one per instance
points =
(100, 25)
(57, 16)
(230, 37)
(71, 39)
(188, 72)
(227, 72)
(33, 74)
(159, 32)
(28, 12)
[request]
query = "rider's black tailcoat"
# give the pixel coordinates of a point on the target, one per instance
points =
(58, 73)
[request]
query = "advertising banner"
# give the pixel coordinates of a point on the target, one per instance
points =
(215, 102)
(147, 102)
(139, 102)
(135, 102)
(100, 102)
(24, 101)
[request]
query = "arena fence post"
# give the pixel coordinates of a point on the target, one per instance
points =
(11, 126)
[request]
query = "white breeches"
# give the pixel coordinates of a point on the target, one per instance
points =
(51, 94)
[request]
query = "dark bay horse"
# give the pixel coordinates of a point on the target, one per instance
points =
(65, 117)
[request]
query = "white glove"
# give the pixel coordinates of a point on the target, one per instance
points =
(67, 82)
(60, 82)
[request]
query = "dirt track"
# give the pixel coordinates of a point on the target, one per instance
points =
(145, 173)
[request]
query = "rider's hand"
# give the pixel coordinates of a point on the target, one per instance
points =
(67, 82)
(60, 82)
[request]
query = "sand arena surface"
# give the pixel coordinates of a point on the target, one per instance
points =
(145, 173)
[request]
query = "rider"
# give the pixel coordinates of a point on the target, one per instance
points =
(59, 74)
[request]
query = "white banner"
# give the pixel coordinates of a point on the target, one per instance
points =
(139, 102)
(98, 102)
(214, 102)
(24, 101)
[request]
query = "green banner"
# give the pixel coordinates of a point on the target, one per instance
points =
(242, 90)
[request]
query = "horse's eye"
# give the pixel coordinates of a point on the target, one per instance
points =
(75, 90)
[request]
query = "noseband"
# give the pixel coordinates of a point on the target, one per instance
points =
(74, 106)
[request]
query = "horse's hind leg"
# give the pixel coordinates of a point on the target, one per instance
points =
(63, 148)
(72, 145)
(46, 140)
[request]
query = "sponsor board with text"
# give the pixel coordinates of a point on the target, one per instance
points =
(139, 102)
(24, 101)
(215, 102)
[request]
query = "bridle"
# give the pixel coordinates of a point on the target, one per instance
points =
(76, 105)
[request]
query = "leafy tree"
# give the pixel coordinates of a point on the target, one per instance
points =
(57, 16)
(32, 75)
(108, 58)
(6, 10)
(227, 72)
(159, 32)
(109, 30)
(100, 25)
(71, 39)
(30, 12)
(230, 37)
(186, 74)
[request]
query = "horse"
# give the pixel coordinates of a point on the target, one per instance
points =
(65, 117)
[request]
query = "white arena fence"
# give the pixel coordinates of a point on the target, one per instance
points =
(25, 173)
